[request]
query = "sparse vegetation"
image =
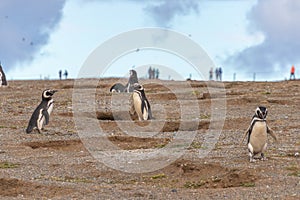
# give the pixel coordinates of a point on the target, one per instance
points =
(205, 116)
(70, 179)
(295, 170)
(158, 176)
(248, 184)
(59, 164)
(8, 165)
(194, 185)
(195, 145)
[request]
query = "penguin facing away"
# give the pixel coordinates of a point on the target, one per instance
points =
(257, 134)
(141, 104)
(40, 116)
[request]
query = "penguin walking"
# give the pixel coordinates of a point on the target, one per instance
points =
(40, 116)
(140, 103)
(257, 134)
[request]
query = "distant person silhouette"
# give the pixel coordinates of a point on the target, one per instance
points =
(220, 73)
(217, 74)
(157, 73)
(150, 72)
(292, 73)
(66, 74)
(211, 74)
(60, 74)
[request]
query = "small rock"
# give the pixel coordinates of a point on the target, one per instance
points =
(297, 154)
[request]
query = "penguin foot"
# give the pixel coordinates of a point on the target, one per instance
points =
(263, 158)
(252, 160)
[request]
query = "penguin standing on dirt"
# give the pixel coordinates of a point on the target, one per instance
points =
(257, 134)
(140, 103)
(41, 114)
(119, 87)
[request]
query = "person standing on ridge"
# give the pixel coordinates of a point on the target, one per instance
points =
(292, 73)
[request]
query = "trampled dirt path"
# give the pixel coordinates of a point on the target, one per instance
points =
(58, 165)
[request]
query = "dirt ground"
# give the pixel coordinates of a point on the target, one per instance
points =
(60, 162)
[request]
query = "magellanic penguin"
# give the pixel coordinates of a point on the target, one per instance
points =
(40, 116)
(140, 103)
(129, 87)
(3, 81)
(119, 87)
(257, 134)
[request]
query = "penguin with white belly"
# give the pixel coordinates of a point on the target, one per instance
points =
(140, 103)
(257, 134)
(40, 116)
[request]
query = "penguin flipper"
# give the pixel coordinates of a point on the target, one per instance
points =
(248, 129)
(29, 129)
(149, 110)
(46, 115)
(271, 132)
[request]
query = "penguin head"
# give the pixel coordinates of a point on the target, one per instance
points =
(47, 94)
(138, 87)
(132, 73)
(133, 76)
(261, 112)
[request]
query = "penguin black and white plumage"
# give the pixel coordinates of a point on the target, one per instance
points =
(119, 87)
(40, 116)
(129, 87)
(140, 103)
(3, 81)
(257, 134)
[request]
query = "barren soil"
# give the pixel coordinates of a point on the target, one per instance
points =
(57, 164)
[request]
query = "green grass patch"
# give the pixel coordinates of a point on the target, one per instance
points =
(295, 170)
(159, 146)
(8, 165)
(195, 145)
(248, 184)
(196, 93)
(292, 168)
(295, 173)
(158, 176)
(70, 179)
(216, 179)
(194, 185)
(266, 93)
(204, 116)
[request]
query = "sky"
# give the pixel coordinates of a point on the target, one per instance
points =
(244, 37)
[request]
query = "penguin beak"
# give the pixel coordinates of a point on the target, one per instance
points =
(53, 91)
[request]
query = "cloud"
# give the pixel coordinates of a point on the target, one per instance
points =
(278, 21)
(25, 27)
(164, 11)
